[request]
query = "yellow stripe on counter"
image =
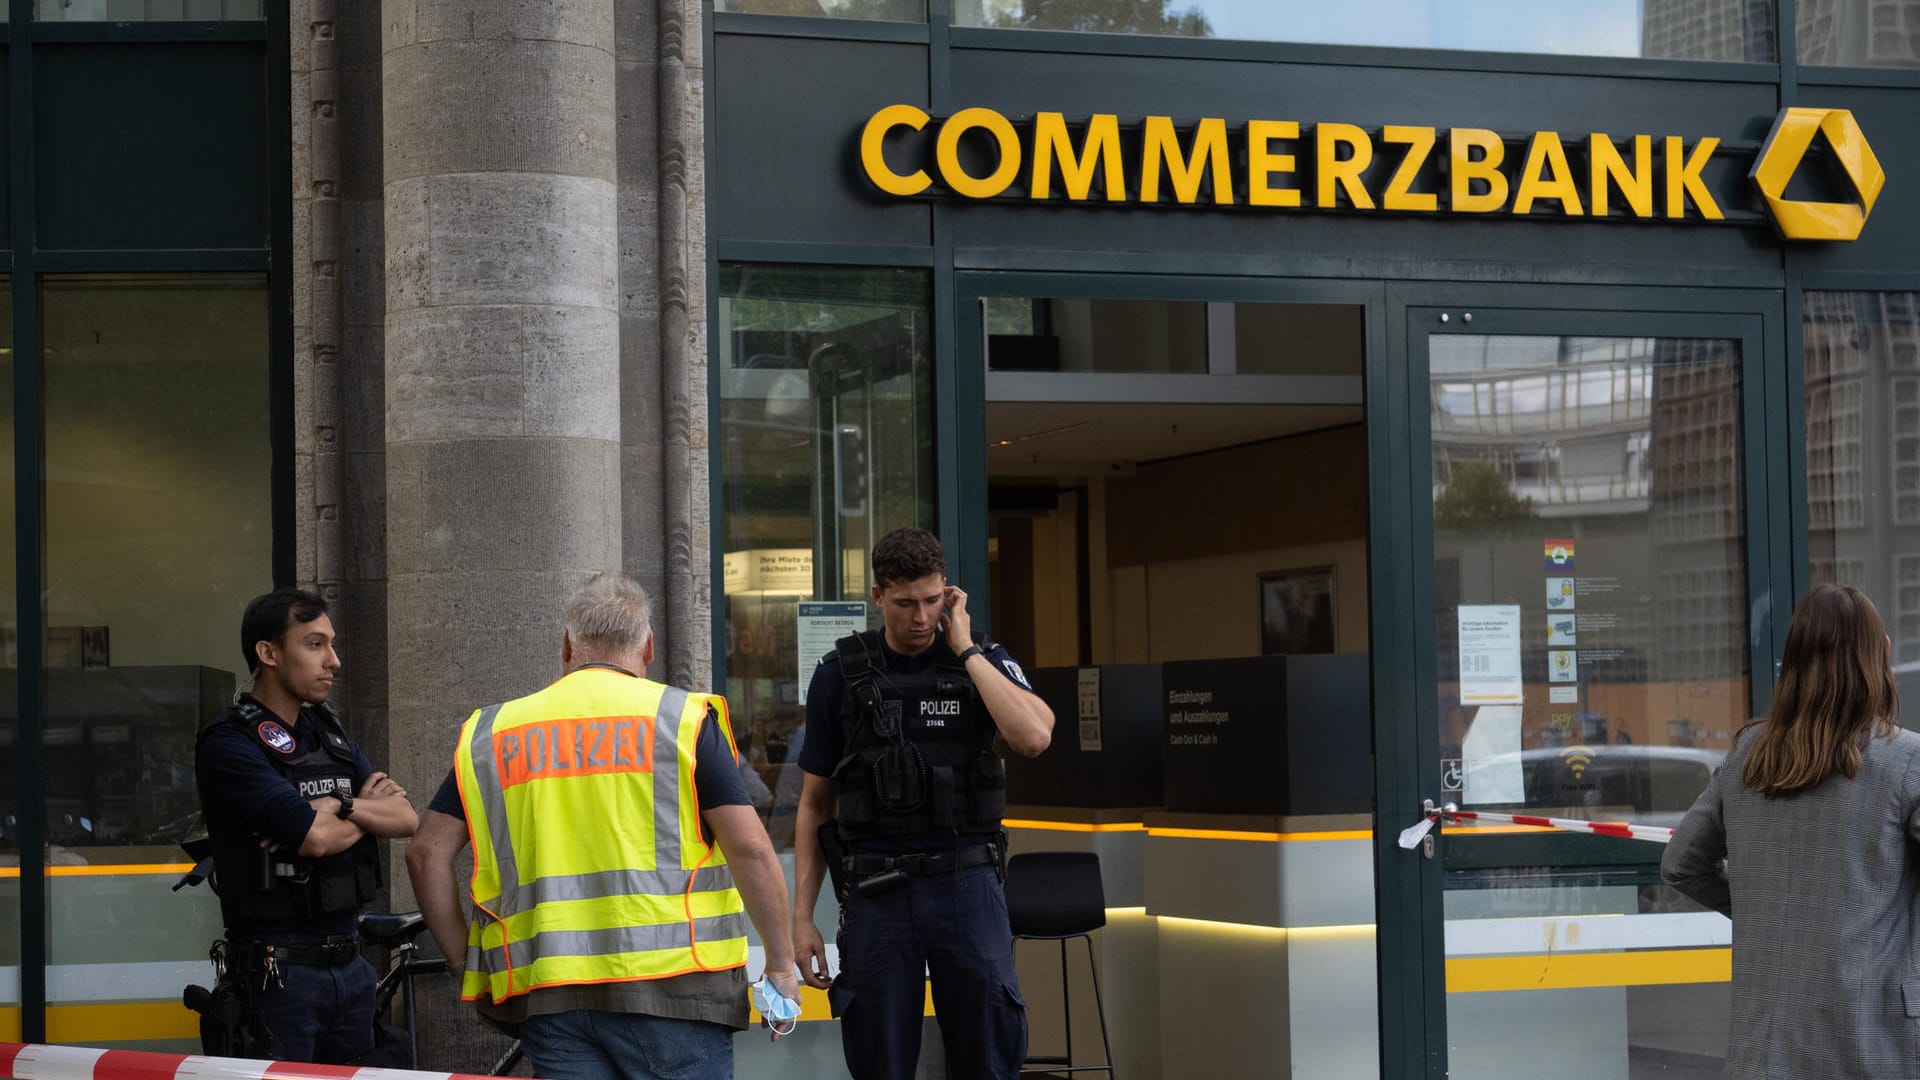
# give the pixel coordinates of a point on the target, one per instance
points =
(1268, 837)
(91, 1025)
(1072, 826)
(1566, 971)
(103, 869)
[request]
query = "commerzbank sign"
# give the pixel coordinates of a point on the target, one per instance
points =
(1289, 166)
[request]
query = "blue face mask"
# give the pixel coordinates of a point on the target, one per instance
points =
(780, 1011)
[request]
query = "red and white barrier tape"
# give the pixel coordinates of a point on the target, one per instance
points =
(30, 1061)
(1410, 837)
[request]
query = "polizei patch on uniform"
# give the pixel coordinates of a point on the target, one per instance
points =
(1013, 672)
(274, 735)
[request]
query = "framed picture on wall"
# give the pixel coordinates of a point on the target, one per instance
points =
(1296, 611)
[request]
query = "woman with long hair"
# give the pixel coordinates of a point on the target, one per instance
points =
(1806, 837)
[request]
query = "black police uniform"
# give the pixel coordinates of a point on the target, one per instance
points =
(919, 792)
(291, 948)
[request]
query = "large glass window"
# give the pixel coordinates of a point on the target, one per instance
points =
(826, 429)
(1591, 600)
(1670, 29)
(158, 530)
(149, 10)
(1858, 33)
(1863, 460)
(886, 10)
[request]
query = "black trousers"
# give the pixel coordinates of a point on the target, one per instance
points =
(322, 1014)
(952, 928)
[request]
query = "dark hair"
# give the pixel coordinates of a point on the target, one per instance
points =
(907, 554)
(269, 616)
(1836, 691)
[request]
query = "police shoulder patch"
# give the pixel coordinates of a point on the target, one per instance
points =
(1013, 672)
(275, 736)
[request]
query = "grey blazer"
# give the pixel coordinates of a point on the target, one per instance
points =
(1822, 888)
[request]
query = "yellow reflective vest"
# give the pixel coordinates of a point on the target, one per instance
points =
(590, 863)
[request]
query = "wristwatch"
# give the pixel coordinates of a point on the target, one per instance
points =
(345, 796)
(972, 651)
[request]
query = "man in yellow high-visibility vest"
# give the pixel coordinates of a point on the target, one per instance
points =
(617, 862)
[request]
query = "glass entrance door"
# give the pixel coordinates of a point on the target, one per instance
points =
(1590, 615)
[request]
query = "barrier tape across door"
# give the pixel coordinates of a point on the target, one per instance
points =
(31, 1061)
(1411, 836)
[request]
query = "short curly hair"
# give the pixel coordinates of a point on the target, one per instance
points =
(907, 554)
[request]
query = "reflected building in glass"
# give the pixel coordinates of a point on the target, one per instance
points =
(1858, 33)
(1623, 455)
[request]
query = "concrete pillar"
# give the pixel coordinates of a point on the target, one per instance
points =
(502, 379)
(502, 432)
(663, 344)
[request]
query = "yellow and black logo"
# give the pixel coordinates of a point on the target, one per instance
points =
(1786, 147)
(1294, 165)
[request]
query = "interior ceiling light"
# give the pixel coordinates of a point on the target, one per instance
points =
(1040, 434)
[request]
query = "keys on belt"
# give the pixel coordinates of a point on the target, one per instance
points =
(326, 952)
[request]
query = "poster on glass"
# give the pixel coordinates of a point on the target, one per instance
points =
(1296, 611)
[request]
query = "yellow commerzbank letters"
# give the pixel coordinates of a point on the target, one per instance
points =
(1421, 169)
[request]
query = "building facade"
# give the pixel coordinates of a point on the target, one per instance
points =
(1335, 411)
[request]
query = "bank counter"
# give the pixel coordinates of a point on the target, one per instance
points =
(1229, 803)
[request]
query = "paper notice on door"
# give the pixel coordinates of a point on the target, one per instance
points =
(821, 624)
(1089, 709)
(1491, 748)
(1490, 655)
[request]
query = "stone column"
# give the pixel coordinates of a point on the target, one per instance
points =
(502, 378)
(502, 350)
(663, 340)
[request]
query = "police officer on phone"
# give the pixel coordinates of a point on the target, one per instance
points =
(292, 810)
(901, 799)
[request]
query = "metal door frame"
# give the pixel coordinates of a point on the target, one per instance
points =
(1411, 939)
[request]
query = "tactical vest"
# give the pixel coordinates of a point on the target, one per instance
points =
(890, 784)
(257, 886)
(590, 860)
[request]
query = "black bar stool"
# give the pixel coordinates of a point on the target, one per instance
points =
(1053, 896)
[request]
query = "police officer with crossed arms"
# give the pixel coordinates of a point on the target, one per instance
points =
(901, 800)
(293, 810)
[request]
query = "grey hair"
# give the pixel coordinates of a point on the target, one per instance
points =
(610, 613)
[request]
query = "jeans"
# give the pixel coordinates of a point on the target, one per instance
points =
(320, 1014)
(951, 928)
(590, 1044)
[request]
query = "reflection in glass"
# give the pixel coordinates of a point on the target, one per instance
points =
(1590, 598)
(880, 10)
(1858, 33)
(149, 10)
(158, 531)
(1863, 460)
(826, 432)
(1671, 29)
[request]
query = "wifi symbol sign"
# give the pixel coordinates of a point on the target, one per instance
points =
(1578, 758)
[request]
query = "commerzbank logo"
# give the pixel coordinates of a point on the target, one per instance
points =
(1289, 166)
(1781, 156)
